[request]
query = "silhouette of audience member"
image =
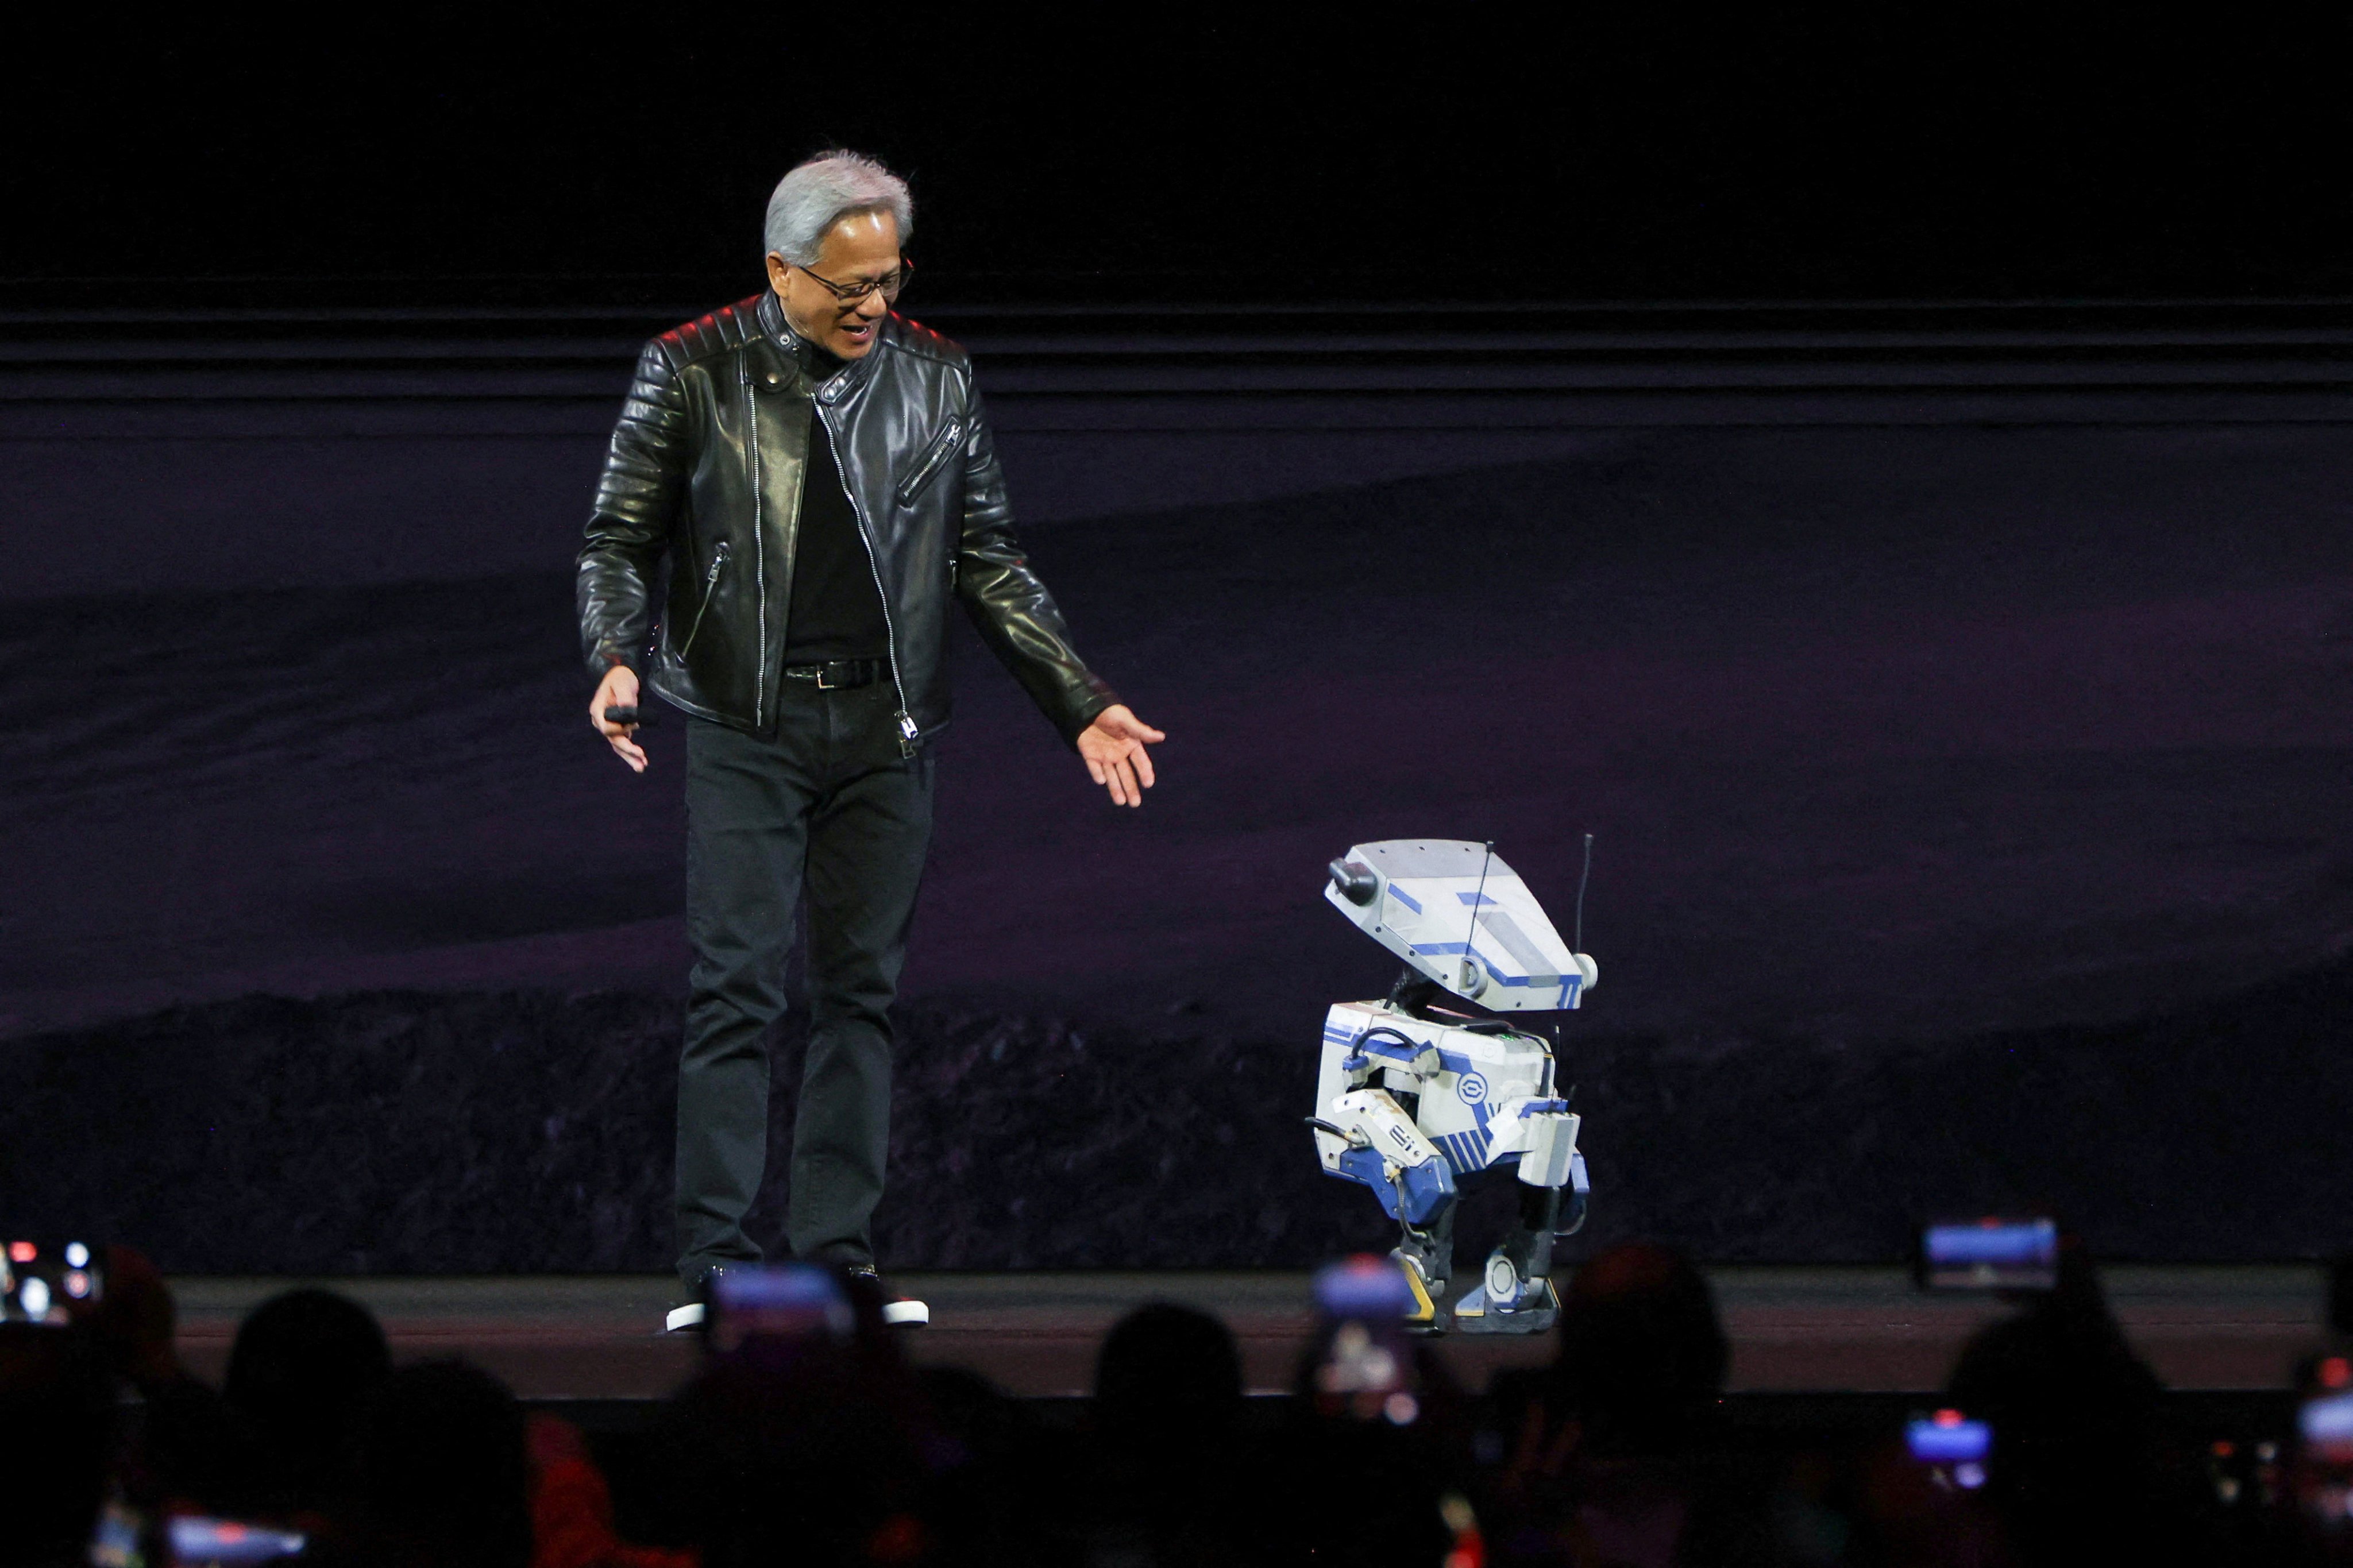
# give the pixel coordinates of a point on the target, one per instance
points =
(2081, 1469)
(806, 1446)
(56, 1438)
(1003, 1476)
(303, 1365)
(1370, 1467)
(2312, 1522)
(1166, 1375)
(191, 1452)
(1642, 1353)
(572, 1523)
(443, 1473)
(1896, 1511)
(1172, 1481)
(1619, 1461)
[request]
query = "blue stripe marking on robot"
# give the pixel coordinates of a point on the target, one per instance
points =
(1569, 983)
(1466, 1151)
(1439, 949)
(1408, 899)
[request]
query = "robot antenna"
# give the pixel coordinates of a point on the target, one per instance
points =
(1471, 983)
(1576, 944)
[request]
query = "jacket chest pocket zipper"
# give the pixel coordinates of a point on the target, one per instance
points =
(934, 457)
(710, 586)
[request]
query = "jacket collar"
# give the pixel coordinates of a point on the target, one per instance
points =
(771, 313)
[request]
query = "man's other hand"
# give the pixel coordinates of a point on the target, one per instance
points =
(617, 689)
(1113, 747)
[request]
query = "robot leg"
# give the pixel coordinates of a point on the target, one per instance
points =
(1514, 1294)
(1427, 1252)
(1385, 1151)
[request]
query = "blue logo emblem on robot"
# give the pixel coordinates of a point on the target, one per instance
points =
(1473, 1089)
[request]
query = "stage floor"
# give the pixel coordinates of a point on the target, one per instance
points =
(1813, 1330)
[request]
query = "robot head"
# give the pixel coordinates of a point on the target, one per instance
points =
(1456, 914)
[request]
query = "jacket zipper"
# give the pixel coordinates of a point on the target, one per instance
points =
(759, 539)
(710, 586)
(943, 443)
(907, 729)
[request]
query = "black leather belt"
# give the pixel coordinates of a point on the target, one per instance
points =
(840, 672)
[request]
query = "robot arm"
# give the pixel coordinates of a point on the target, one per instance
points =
(1547, 1130)
(1388, 1154)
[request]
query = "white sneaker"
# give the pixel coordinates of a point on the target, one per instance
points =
(689, 1317)
(900, 1312)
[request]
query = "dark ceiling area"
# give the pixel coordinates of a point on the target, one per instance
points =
(1483, 156)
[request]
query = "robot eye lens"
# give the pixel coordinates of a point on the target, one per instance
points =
(1357, 884)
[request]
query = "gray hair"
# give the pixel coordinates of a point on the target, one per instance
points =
(821, 192)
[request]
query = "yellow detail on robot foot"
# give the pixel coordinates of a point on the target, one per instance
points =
(1425, 1311)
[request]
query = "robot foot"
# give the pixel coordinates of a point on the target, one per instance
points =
(1429, 1315)
(1504, 1303)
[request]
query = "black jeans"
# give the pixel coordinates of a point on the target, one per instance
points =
(825, 804)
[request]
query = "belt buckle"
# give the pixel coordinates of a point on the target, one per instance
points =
(822, 683)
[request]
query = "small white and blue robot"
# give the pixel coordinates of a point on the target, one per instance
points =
(1414, 1096)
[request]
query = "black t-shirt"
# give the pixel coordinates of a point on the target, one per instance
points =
(836, 610)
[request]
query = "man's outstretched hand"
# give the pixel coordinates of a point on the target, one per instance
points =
(618, 689)
(1113, 747)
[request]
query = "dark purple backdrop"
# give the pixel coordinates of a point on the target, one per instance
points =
(1897, 741)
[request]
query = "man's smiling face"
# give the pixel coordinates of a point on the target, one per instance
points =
(860, 249)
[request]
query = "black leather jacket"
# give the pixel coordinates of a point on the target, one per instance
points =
(705, 468)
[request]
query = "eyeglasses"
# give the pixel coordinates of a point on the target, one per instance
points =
(888, 285)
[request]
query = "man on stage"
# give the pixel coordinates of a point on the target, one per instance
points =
(817, 476)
